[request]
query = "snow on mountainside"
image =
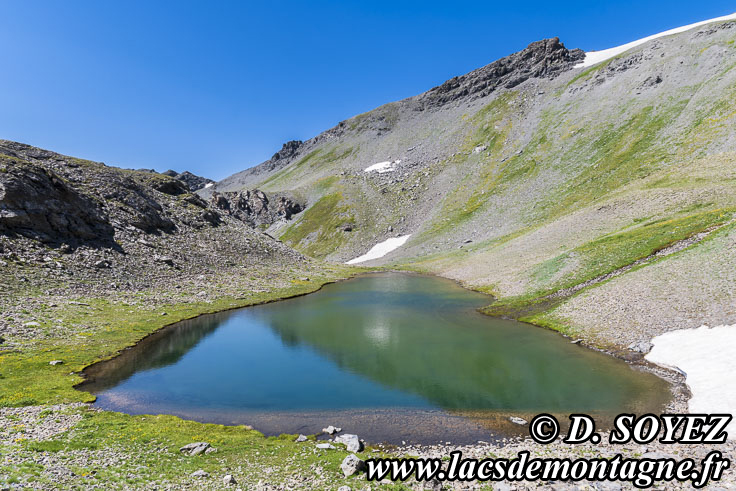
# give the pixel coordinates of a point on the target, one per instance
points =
(595, 57)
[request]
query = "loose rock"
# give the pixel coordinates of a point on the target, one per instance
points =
(352, 442)
(195, 448)
(352, 465)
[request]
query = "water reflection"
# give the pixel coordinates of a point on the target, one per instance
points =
(382, 348)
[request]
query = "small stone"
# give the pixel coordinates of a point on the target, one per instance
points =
(518, 421)
(56, 362)
(331, 430)
(325, 446)
(576, 341)
(31, 324)
(352, 465)
(104, 264)
(210, 450)
(229, 480)
(200, 474)
(352, 442)
(195, 448)
(344, 488)
(165, 260)
(301, 438)
(434, 485)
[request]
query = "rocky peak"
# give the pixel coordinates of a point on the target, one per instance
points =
(288, 150)
(542, 59)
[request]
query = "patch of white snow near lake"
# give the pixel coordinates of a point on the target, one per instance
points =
(209, 185)
(595, 57)
(382, 167)
(381, 249)
(706, 357)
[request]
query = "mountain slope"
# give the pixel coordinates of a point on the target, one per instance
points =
(531, 175)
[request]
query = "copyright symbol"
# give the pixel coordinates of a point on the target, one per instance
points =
(544, 428)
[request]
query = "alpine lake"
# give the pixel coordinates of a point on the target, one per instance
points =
(392, 357)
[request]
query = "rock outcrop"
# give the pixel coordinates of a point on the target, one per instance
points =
(193, 181)
(541, 59)
(254, 207)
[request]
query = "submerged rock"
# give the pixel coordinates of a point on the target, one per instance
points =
(518, 421)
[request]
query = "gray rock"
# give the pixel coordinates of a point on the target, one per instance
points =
(103, 264)
(352, 442)
(641, 347)
(301, 438)
(352, 465)
(331, 430)
(518, 421)
(200, 474)
(31, 324)
(325, 446)
(344, 488)
(229, 480)
(165, 259)
(56, 362)
(195, 448)
(434, 485)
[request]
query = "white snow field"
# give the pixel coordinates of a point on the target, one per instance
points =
(706, 356)
(381, 249)
(594, 57)
(382, 167)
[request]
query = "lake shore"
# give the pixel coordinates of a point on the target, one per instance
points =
(70, 444)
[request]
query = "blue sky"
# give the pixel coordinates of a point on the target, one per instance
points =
(215, 87)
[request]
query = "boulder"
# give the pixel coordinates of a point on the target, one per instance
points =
(200, 474)
(301, 438)
(195, 448)
(331, 430)
(229, 480)
(352, 442)
(352, 465)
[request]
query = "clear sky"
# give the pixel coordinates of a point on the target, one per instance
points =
(214, 87)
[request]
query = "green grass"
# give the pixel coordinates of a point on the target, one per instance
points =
(26, 378)
(319, 231)
(604, 255)
(300, 174)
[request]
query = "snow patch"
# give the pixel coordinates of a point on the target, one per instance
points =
(209, 185)
(382, 167)
(381, 249)
(706, 357)
(595, 57)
